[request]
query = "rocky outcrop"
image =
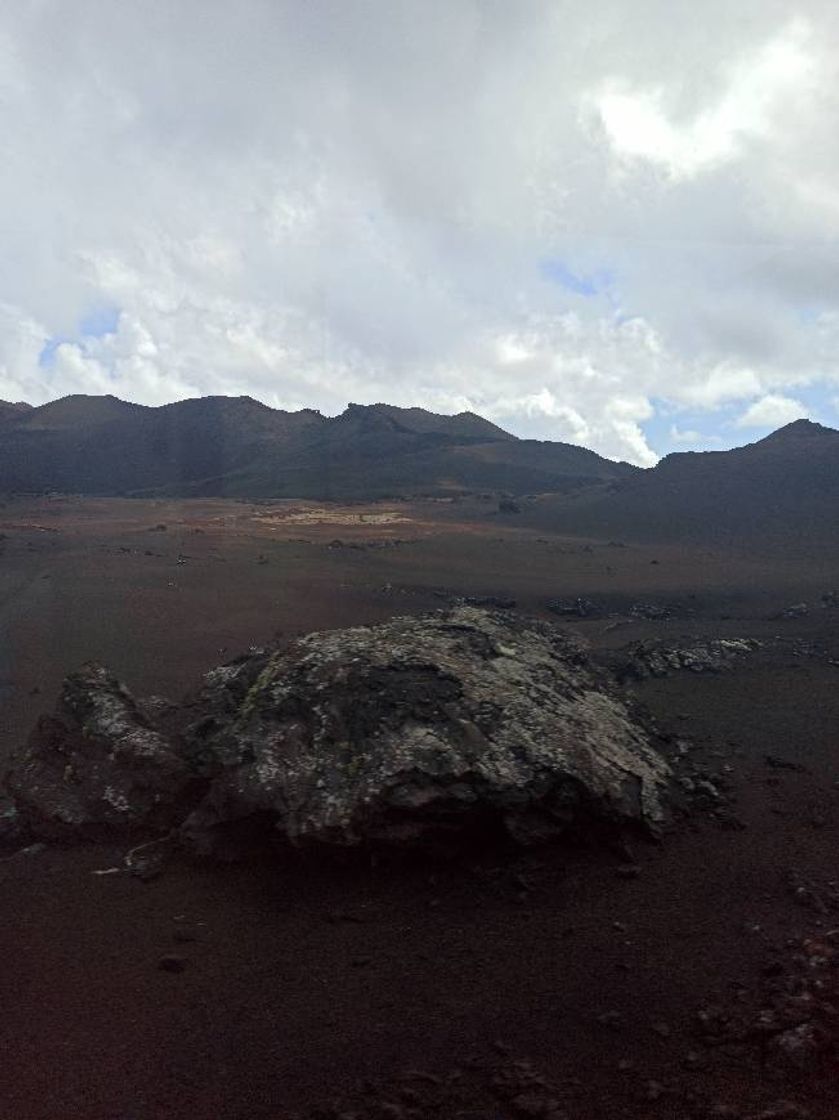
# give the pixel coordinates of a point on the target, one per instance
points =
(658, 659)
(97, 765)
(414, 728)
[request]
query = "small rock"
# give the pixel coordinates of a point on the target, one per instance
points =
(661, 1028)
(781, 1110)
(172, 963)
(184, 936)
(531, 1104)
(798, 1047)
(653, 1090)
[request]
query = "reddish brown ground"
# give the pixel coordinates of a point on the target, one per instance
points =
(306, 977)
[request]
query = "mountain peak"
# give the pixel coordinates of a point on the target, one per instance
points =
(798, 429)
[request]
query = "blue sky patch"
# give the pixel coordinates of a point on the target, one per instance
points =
(95, 323)
(558, 272)
(716, 428)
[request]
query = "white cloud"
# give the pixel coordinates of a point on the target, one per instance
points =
(321, 203)
(771, 411)
(638, 123)
(687, 436)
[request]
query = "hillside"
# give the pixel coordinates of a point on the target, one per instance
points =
(784, 487)
(10, 410)
(238, 447)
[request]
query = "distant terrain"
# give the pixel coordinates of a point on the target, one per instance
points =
(237, 447)
(782, 489)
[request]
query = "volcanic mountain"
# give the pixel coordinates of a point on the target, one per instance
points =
(235, 446)
(783, 487)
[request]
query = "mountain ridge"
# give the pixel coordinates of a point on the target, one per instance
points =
(239, 447)
(783, 486)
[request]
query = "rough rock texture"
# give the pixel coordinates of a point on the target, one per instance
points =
(97, 765)
(659, 659)
(420, 726)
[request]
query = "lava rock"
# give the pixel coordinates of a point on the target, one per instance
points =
(426, 725)
(579, 608)
(654, 658)
(417, 728)
(97, 766)
(172, 963)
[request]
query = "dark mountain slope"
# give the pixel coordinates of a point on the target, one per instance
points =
(10, 410)
(782, 488)
(238, 447)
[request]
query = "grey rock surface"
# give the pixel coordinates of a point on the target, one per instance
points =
(416, 725)
(654, 658)
(397, 732)
(97, 765)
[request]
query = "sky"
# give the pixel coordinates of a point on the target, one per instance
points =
(606, 223)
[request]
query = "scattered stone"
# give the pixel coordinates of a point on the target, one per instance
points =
(172, 963)
(184, 935)
(13, 831)
(148, 860)
(654, 612)
(799, 1047)
(776, 763)
(579, 608)
(654, 658)
(781, 1110)
(489, 602)
(797, 610)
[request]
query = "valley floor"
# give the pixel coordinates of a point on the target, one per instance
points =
(543, 983)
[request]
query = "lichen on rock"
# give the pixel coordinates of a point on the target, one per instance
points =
(419, 724)
(97, 765)
(397, 732)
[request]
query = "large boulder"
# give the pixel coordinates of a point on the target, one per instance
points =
(97, 765)
(422, 725)
(464, 719)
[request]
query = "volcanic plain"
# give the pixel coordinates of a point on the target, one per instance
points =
(560, 981)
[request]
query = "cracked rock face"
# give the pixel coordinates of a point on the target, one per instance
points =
(97, 765)
(416, 727)
(388, 732)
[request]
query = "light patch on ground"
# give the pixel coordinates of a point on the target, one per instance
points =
(337, 516)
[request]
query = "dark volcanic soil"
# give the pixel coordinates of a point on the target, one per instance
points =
(497, 985)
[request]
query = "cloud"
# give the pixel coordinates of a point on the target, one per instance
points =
(329, 202)
(771, 411)
(639, 126)
(687, 436)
